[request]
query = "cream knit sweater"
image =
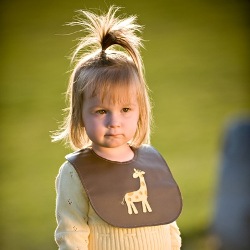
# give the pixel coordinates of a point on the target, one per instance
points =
(80, 228)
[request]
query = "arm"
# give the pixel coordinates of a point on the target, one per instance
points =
(175, 236)
(71, 210)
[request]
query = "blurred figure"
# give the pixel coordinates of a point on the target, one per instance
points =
(231, 222)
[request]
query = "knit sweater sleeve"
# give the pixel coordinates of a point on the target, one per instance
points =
(72, 207)
(175, 236)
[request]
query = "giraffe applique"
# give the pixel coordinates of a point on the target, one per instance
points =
(140, 195)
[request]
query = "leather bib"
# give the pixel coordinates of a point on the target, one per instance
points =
(137, 193)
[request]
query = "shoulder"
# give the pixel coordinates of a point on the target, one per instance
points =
(146, 148)
(66, 169)
(85, 152)
(150, 154)
(67, 175)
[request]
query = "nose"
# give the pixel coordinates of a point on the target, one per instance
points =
(114, 121)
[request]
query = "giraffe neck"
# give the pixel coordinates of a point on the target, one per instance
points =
(142, 183)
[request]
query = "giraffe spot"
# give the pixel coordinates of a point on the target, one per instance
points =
(129, 199)
(141, 193)
(137, 197)
(130, 194)
(143, 183)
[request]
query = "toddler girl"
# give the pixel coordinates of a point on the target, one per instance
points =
(116, 192)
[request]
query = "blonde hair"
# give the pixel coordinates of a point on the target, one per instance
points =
(101, 70)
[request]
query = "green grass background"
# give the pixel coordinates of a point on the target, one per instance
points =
(196, 61)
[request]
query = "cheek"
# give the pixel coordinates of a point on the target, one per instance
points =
(133, 122)
(91, 131)
(89, 124)
(92, 126)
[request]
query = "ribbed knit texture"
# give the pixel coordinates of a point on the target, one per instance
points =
(147, 238)
(80, 228)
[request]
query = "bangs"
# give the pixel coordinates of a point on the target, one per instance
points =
(116, 93)
(116, 85)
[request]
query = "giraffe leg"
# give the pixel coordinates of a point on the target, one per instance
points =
(129, 207)
(134, 208)
(144, 209)
(148, 206)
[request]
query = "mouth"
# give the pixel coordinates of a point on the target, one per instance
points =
(113, 135)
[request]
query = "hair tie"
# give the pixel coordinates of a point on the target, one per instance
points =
(103, 55)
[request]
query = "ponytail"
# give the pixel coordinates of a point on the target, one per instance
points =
(106, 30)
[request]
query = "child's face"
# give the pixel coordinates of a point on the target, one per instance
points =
(110, 124)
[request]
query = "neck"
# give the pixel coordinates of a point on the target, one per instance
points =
(120, 154)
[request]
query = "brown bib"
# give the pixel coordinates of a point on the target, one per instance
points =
(137, 193)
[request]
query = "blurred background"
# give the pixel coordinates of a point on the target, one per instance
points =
(196, 59)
